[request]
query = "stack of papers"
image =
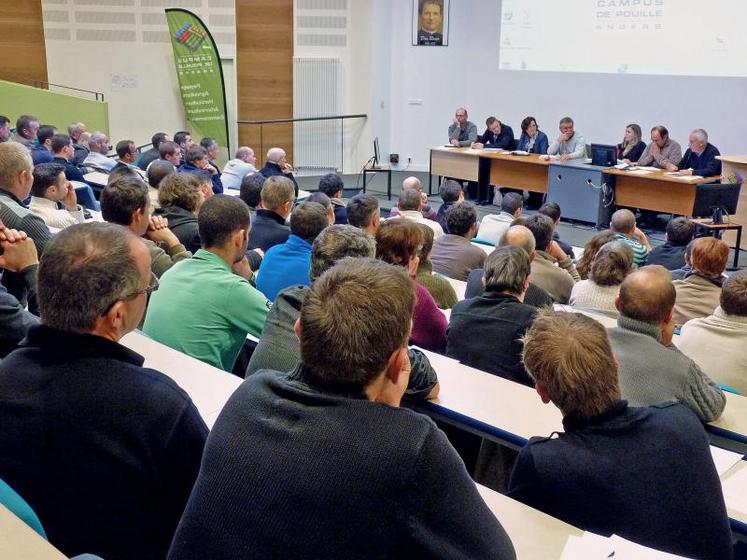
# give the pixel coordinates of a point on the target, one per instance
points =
(590, 546)
(519, 153)
(735, 491)
(674, 175)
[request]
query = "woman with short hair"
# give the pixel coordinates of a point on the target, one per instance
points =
(612, 263)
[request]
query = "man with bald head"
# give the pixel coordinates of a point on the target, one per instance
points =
(652, 370)
(425, 209)
(700, 157)
(277, 166)
(516, 236)
(625, 229)
(238, 168)
(97, 159)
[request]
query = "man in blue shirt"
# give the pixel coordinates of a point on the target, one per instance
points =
(288, 264)
(700, 157)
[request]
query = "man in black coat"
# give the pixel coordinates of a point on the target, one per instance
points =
(277, 166)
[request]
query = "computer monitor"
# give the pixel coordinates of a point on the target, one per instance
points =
(604, 155)
(709, 197)
(377, 153)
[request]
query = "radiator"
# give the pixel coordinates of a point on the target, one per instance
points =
(317, 93)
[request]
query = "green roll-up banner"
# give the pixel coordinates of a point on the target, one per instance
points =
(200, 75)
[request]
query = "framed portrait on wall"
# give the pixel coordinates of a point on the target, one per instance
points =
(430, 23)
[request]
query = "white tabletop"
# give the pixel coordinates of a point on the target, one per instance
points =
(20, 542)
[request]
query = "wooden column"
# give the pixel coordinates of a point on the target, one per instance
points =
(264, 73)
(24, 57)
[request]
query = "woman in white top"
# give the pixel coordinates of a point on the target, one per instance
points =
(613, 262)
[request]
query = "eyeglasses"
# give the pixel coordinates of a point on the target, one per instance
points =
(149, 289)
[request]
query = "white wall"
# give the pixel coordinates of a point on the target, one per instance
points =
(466, 73)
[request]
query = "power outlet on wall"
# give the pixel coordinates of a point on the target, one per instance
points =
(394, 159)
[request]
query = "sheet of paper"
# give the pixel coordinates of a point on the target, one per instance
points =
(587, 546)
(724, 459)
(639, 172)
(627, 550)
(735, 491)
(647, 168)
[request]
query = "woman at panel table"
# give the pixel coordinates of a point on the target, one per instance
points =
(632, 146)
(532, 139)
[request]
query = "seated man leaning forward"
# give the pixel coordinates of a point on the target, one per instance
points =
(645, 474)
(625, 228)
(322, 461)
(205, 306)
(569, 144)
(104, 450)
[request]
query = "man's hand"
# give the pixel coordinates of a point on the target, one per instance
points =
(565, 157)
(242, 268)
(641, 237)
(655, 149)
(477, 145)
(455, 121)
(454, 142)
(159, 232)
(669, 166)
(423, 198)
(685, 172)
(554, 250)
(287, 168)
(70, 202)
(19, 253)
(211, 168)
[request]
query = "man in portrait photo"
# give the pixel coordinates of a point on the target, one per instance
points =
(430, 22)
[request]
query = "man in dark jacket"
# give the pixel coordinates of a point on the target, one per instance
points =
(196, 162)
(700, 157)
(277, 166)
(671, 255)
(269, 227)
(331, 185)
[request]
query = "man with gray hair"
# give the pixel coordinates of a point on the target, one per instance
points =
(76, 131)
(269, 227)
(410, 205)
(569, 144)
(122, 434)
(485, 332)
(700, 156)
(516, 236)
(238, 168)
(277, 166)
(453, 254)
(97, 159)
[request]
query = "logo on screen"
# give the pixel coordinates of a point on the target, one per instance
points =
(190, 36)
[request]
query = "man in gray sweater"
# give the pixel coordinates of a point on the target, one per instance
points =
(651, 368)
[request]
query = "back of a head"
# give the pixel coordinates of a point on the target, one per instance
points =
(613, 262)
(337, 242)
(623, 221)
(181, 190)
(511, 202)
(59, 141)
(647, 295)
(450, 191)
(590, 251)
(274, 155)
(157, 171)
(519, 236)
(331, 184)
(541, 227)
(460, 218)
(412, 182)
(398, 240)
(308, 219)
(14, 158)
(361, 210)
(570, 355)
(251, 189)
(46, 132)
(427, 246)
(219, 218)
(121, 198)
(354, 317)
(320, 198)
(168, 149)
(709, 256)
(121, 172)
(551, 210)
(680, 231)
(124, 147)
(181, 136)
(84, 270)
(208, 143)
(194, 154)
(157, 139)
(276, 191)
(409, 199)
(734, 294)
(506, 270)
(45, 175)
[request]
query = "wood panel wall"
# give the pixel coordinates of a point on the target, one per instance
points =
(264, 73)
(24, 58)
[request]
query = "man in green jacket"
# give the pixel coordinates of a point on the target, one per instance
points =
(205, 306)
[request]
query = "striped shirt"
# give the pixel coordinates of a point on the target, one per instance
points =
(640, 253)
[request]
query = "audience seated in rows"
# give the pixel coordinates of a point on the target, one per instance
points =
(105, 451)
(671, 254)
(615, 469)
(408, 207)
(552, 269)
(42, 151)
(425, 209)
(63, 152)
(363, 212)
(251, 191)
(277, 166)
(651, 369)
(516, 236)
(613, 262)
(157, 171)
(399, 241)
(717, 343)
(623, 225)
(269, 227)
(451, 193)
(453, 254)
(125, 202)
(552, 211)
(583, 265)
(485, 332)
(50, 190)
(288, 264)
(97, 158)
(196, 162)
(237, 169)
(152, 154)
(353, 330)
(205, 306)
(180, 198)
(331, 184)
(438, 286)
(493, 226)
(698, 293)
